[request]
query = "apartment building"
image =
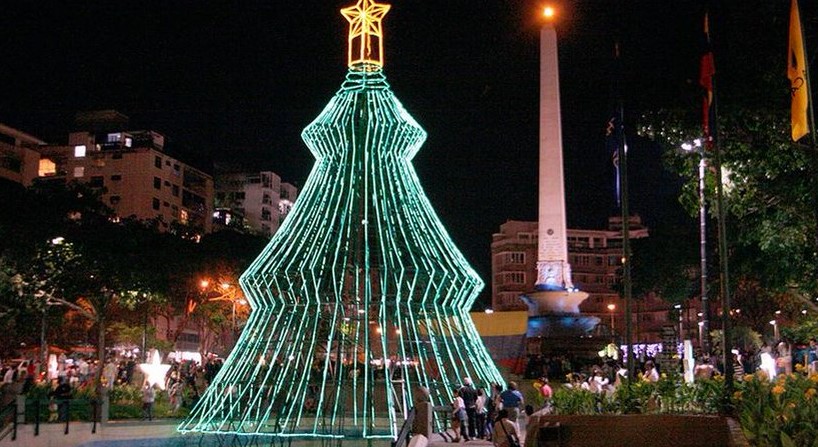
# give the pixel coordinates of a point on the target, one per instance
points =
(137, 177)
(19, 159)
(257, 202)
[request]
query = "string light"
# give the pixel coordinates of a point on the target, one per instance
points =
(361, 250)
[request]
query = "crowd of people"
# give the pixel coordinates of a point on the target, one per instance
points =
(487, 414)
(66, 375)
(493, 414)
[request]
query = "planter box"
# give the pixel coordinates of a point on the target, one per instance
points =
(633, 431)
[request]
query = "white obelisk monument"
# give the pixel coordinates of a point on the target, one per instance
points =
(555, 291)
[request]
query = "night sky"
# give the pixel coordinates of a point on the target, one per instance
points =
(238, 81)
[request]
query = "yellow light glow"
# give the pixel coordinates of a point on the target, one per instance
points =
(47, 167)
(549, 12)
(365, 50)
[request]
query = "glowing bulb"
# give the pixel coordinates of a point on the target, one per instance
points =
(548, 12)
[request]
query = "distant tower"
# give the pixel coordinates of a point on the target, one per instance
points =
(553, 270)
(361, 298)
(555, 293)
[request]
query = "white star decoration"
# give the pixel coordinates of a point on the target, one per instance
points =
(154, 370)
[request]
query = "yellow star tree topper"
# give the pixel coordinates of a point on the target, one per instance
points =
(365, 34)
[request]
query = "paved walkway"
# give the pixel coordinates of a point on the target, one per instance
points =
(444, 440)
(116, 433)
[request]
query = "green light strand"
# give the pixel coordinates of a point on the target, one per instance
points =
(360, 297)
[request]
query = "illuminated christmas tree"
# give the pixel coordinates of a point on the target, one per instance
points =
(361, 297)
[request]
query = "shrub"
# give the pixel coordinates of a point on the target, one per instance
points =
(782, 412)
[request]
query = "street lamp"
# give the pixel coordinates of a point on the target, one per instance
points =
(696, 146)
(774, 323)
(612, 308)
(679, 309)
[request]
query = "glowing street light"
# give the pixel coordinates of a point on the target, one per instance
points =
(612, 308)
(774, 323)
(549, 13)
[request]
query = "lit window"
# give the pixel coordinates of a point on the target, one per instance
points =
(183, 216)
(516, 257)
(47, 167)
(284, 207)
(79, 171)
(114, 137)
(128, 141)
(79, 151)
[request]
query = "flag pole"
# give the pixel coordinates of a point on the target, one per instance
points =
(813, 142)
(622, 185)
(714, 142)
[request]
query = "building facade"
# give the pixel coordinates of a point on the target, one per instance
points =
(595, 257)
(19, 159)
(136, 177)
(257, 202)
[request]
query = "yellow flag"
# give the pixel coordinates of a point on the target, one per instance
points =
(797, 73)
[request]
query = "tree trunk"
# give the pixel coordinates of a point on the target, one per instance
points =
(100, 354)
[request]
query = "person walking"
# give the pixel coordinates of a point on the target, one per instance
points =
(512, 401)
(62, 397)
(469, 396)
(481, 411)
(148, 397)
(546, 392)
(812, 356)
(459, 418)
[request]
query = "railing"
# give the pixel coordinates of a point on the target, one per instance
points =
(8, 421)
(442, 423)
(405, 433)
(61, 410)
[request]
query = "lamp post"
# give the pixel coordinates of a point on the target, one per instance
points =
(696, 146)
(678, 308)
(612, 308)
